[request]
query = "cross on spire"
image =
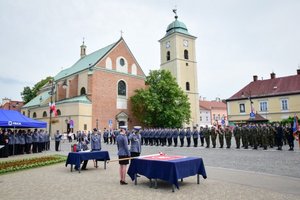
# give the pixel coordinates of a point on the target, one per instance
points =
(175, 12)
(121, 33)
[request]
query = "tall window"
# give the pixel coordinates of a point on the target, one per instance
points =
(242, 108)
(168, 55)
(284, 104)
(200, 119)
(187, 86)
(44, 114)
(82, 91)
(263, 106)
(186, 54)
(34, 115)
(122, 88)
(58, 112)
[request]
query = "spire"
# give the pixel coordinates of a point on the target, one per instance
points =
(175, 12)
(82, 49)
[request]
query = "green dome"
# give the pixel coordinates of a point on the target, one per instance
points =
(178, 27)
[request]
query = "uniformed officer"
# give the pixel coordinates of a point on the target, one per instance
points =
(35, 140)
(265, 133)
(181, 137)
(201, 134)
(135, 141)
(28, 142)
(206, 133)
(237, 135)
(175, 136)
(188, 136)
(169, 137)
(195, 136)
(228, 136)
(221, 133)
(213, 134)
(58, 137)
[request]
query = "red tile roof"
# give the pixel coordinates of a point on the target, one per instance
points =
(270, 87)
(209, 105)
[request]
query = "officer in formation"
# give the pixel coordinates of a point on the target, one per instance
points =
(21, 141)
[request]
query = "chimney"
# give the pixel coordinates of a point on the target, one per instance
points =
(273, 75)
(298, 71)
(255, 78)
(82, 50)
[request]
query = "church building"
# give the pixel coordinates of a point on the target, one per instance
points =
(178, 55)
(94, 92)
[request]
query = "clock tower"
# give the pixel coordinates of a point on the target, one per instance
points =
(178, 55)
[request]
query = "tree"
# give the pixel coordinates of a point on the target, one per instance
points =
(163, 103)
(28, 94)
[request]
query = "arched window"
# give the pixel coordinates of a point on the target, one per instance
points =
(168, 55)
(34, 115)
(23, 112)
(186, 54)
(122, 88)
(82, 91)
(108, 63)
(58, 112)
(187, 86)
(44, 114)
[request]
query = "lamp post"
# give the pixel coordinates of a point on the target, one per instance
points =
(252, 115)
(97, 123)
(51, 102)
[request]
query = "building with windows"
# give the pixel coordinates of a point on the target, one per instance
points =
(178, 55)
(213, 112)
(8, 104)
(274, 99)
(93, 92)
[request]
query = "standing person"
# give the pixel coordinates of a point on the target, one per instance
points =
(11, 142)
(188, 136)
(35, 139)
(4, 141)
(123, 152)
(237, 135)
(206, 134)
(135, 141)
(290, 137)
(195, 136)
(213, 134)
(175, 136)
(95, 143)
(228, 136)
(181, 137)
(201, 134)
(221, 136)
(279, 136)
(57, 140)
(28, 142)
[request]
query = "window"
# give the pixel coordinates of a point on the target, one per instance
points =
(187, 86)
(44, 114)
(58, 112)
(168, 55)
(284, 104)
(242, 108)
(34, 115)
(85, 127)
(82, 91)
(206, 118)
(186, 54)
(263, 106)
(122, 88)
(214, 116)
(122, 62)
(186, 64)
(200, 119)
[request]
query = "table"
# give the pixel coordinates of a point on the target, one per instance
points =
(75, 158)
(168, 168)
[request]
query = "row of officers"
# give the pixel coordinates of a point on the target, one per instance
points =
(23, 141)
(246, 136)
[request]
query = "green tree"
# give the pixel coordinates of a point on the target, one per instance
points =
(163, 103)
(29, 93)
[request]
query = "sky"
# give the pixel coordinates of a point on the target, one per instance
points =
(236, 39)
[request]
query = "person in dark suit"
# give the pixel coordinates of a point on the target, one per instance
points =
(279, 136)
(57, 140)
(290, 137)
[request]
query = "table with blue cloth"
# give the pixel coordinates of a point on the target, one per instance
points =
(75, 158)
(168, 168)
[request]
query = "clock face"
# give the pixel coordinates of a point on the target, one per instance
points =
(168, 44)
(185, 43)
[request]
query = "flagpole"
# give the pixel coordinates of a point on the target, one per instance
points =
(50, 106)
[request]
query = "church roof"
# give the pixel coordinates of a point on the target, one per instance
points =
(177, 27)
(78, 99)
(85, 62)
(38, 100)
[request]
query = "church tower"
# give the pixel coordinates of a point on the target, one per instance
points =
(178, 55)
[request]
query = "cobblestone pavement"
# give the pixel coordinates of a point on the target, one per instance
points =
(232, 174)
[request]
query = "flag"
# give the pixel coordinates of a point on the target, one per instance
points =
(53, 108)
(296, 128)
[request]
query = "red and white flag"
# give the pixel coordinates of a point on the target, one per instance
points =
(53, 108)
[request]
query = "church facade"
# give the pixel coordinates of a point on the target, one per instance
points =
(94, 92)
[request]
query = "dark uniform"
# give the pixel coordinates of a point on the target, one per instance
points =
(175, 137)
(181, 137)
(195, 137)
(206, 134)
(237, 135)
(188, 137)
(228, 136)
(213, 134)
(221, 137)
